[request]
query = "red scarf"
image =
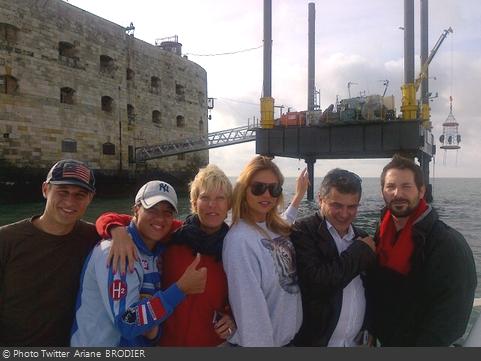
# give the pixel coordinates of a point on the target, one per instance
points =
(396, 254)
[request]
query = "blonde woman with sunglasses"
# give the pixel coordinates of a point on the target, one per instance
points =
(259, 258)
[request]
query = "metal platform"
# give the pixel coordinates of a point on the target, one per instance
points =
(353, 140)
(346, 140)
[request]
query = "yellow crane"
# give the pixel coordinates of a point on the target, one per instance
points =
(409, 106)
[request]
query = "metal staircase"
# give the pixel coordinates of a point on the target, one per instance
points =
(212, 140)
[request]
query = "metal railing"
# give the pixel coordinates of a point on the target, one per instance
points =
(212, 140)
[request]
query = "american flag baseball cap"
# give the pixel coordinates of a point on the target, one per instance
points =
(74, 172)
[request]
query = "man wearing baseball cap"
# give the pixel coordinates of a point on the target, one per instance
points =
(41, 259)
(126, 309)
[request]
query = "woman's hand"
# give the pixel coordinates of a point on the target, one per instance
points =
(123, 249)
(225, 327)
(302, 183)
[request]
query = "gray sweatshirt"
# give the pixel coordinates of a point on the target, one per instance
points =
(263, 290)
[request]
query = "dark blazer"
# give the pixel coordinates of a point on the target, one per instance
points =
(323, 274)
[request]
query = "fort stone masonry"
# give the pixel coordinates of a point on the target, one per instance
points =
(74, 85)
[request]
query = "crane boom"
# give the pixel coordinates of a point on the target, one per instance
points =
(424, 67)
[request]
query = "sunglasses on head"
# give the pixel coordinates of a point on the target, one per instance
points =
(258, 189)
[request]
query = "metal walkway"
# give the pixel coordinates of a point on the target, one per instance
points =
(212, 140)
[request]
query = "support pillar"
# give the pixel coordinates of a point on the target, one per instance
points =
(311, 58)
(310, 170)
(424, 161)
(409, 105)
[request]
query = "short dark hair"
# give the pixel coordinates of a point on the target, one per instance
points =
(400, 162)
(343, 180)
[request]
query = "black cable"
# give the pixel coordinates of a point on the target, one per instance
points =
(227, 53)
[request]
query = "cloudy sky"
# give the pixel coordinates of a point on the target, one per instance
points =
(357, 41)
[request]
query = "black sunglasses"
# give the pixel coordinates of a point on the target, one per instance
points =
(258, 189)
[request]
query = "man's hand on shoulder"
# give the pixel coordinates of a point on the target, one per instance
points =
(370, 242)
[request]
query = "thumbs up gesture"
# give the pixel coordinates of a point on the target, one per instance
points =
(193, 280)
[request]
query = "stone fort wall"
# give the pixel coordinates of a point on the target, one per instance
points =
(74, 85)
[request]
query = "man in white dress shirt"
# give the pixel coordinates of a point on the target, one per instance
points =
(332, 256)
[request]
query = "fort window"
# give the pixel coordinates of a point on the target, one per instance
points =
(130, 74)
(67, 54)
(8, 33)
(106, 64)
(8, 84)
(181, 156)
(180, 92)
(108, 148)
(69, 146)
(155, 85)
(130, 113)
(66, 49)
(201, 98)
(180, 121)
(66, 95)
(107, 104)
(131, 154)
(201, 126)
(156, 117)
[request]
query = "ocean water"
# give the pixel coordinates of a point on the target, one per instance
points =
(457, 200)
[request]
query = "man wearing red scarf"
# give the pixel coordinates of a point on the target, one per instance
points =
(422, 291)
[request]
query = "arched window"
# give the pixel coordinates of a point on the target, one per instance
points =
(67, 54)
(130, 74)
(155, 85)
(180, 121)
(69, 146)
(66, 49)
(130, 113)
(156, 117)
(108, 148)
(179, 89)
(201, 126)
(8, 84)
(67, 95)
(106, 64)
(131, 154)
(8, 33)
(201, 97)
(107, 104)
(179, 92)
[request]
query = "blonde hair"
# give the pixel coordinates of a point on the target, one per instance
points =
(209, 178)
(240, 209)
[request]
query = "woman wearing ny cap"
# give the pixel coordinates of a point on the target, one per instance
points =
(259, 258)
(201, 319)
(126, 309)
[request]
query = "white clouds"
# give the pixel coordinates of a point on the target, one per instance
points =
(355, 41)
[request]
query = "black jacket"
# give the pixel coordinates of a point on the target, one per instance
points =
(432, 304)
(323, 274)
